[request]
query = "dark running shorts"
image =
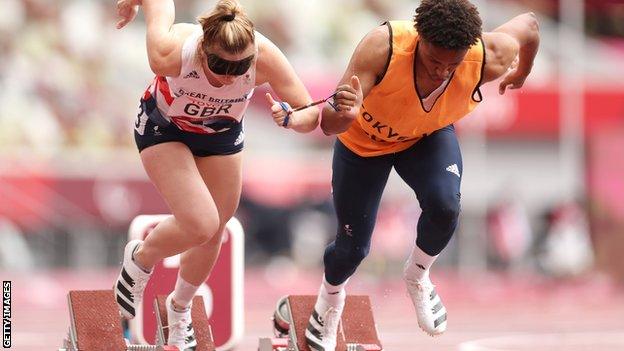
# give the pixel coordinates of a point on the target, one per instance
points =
(223, 143)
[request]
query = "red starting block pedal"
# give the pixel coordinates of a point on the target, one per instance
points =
(95, 324)
(203, 332)
(356, 332)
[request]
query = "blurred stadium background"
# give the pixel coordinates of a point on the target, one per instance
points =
(542, 225)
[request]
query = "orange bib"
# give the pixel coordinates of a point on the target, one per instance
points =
(392, 117)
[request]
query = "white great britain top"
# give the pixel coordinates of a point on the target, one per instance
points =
(192, 103)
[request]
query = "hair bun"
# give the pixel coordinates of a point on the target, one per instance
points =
(229, 18)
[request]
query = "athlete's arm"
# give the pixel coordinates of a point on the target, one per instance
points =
(272, 67)
(518, 40)
(367, 64)
(164, 40)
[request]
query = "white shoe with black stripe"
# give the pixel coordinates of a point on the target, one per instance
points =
(430, 311)
(130, 283)
(322, 329)
(181, 333)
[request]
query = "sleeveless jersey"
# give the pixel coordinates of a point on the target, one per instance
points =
(192, 103)
(392, 117)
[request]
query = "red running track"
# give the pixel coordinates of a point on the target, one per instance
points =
(487, 312)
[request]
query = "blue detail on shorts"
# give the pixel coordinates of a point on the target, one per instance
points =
(149, 107)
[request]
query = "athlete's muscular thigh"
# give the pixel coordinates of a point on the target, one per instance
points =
(172, 169)
(433, 168)
(432, 165)
(357, 186)
(223, 177)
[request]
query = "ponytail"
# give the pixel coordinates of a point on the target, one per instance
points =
(228, 26)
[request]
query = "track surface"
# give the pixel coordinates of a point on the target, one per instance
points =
(487, 312)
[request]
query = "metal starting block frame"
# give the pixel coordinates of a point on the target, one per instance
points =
(357, 330)
(95, 324)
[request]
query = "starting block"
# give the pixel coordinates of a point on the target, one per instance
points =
(356, 331)
(95, 324)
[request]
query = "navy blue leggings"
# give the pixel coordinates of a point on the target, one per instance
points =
(432, 168)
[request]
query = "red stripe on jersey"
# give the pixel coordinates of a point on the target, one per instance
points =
(163, 86)
(188, 126)
(148, 92)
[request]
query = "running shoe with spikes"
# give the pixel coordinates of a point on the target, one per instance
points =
(181, 333)
(430, 311)
(322, 329)
(130, 283)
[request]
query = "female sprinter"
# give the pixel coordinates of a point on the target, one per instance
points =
(190, 136)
